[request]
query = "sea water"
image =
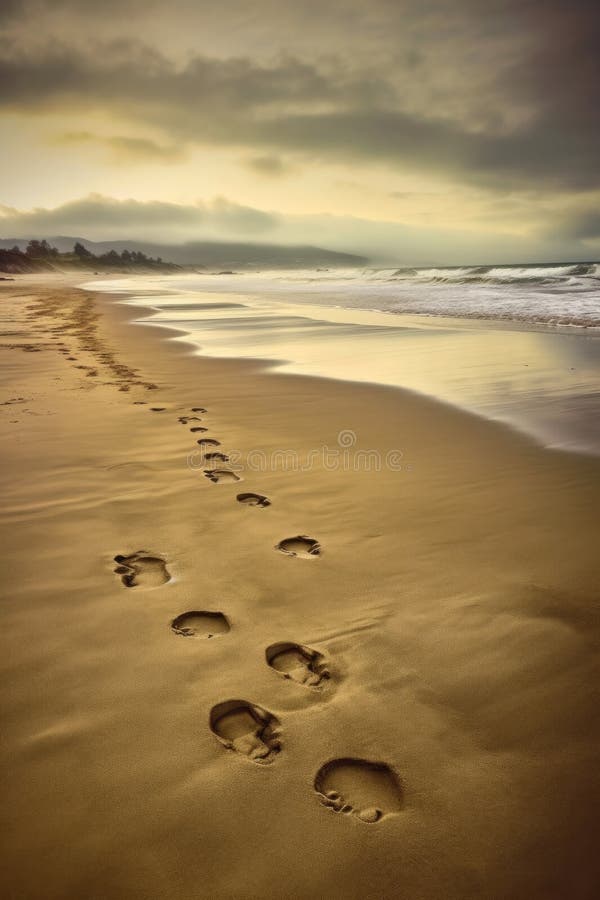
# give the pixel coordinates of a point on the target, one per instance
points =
(519, 344)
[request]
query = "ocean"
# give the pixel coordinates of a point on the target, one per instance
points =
(518, 344)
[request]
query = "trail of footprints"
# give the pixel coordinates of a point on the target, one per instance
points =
(364, 789)
(359, 788)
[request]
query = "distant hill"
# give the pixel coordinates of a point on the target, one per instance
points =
(210, 254)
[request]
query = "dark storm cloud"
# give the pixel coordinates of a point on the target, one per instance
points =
(502, 93)
(124, 71)
(10, 10)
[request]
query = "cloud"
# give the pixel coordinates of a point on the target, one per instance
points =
(584, 225)
(499, 97)
(271, 166)
(228, 216)
(126, 149)
(10, 9)
(410, 195)
(31, 10)
(577, 223)
(529, 117)
(105, 218)
(97, 216)
(123, 70)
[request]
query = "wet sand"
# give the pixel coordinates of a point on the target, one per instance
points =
(405, 709)
(540, 379)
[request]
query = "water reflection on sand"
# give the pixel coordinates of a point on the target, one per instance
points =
(541, 380)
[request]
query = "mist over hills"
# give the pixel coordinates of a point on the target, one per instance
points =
(210, 254)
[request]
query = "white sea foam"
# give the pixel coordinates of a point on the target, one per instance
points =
(567, 294)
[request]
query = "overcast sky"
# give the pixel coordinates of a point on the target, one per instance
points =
(411, 130)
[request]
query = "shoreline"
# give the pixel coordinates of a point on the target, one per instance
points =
(454, 602)
(456, 298)
(434, 319)
(456, 362)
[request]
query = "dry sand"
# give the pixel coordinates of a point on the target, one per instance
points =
(408, 709)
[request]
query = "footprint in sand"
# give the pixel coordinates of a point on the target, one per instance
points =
(221, 476)
(216, 457)
(198, 428)
(141, 569)
(246, 728)
(157, 408)
(208, 442)
(186, 419)
(201, 624)
(298, 663)
(199, 409)
(250, 499)
(368, 790)
(300, 546)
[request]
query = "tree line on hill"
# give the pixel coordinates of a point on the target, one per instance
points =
(40, 256)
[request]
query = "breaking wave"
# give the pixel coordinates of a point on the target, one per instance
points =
(569, 274)
(557, 294)
(560, 294)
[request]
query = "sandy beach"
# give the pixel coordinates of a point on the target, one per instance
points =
(414, 687)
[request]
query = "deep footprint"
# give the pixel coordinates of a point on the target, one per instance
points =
(221, 476)
(246, 728)
(300, 546)
(201, 624)
(249, 499)
(141, 569)
(368, 790)
(298, 663)
(198, 428)
(185, 419)
(208, 442)
(199, 409)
